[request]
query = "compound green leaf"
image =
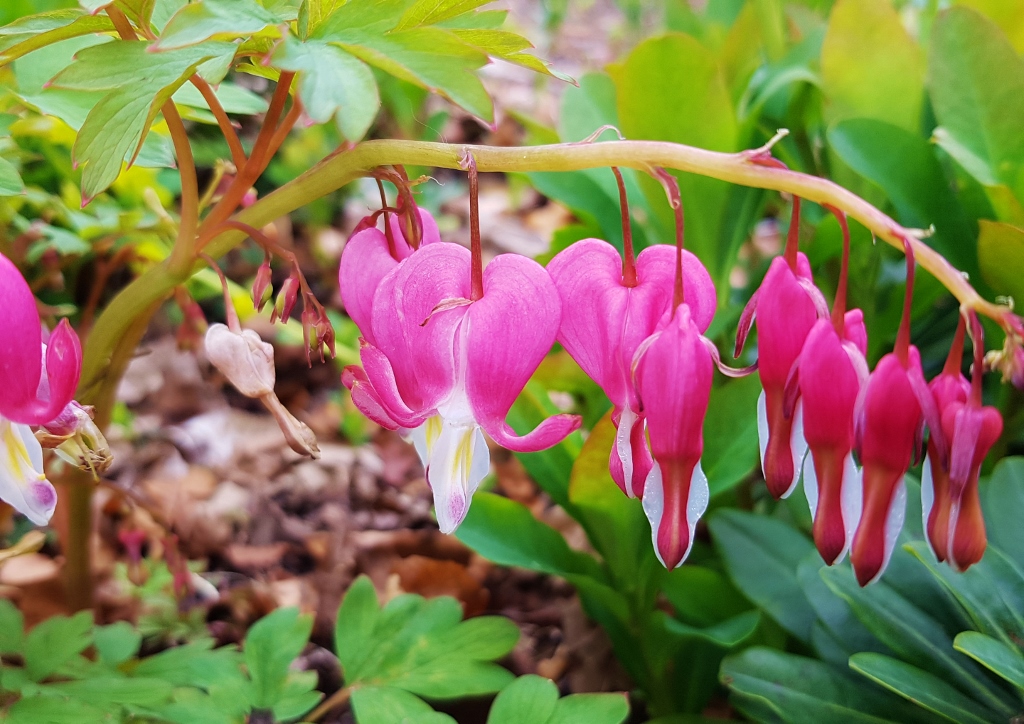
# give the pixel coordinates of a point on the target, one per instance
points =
(388, 705)
(112, 691)
(431, 12)
(204, 19)
(10, 180)
(332, 83)
(56, 641)
(920, 687)
(117, 642)
(527, 700)
(12, 628)
(591, 708)
(271, 645)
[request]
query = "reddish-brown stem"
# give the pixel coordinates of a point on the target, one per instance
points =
(229, 307)
(226, 127)
(281, 133)
(272, 247)
(183, 254)
(392, 249)
(793, 236)
(477, 279)
(409, 218)
(955, 359)
(839, 304)
(902, 348)
(628, 259)
(675, 200)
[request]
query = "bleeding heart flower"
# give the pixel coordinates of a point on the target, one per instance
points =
(448, 369)
(366, 260)
(895, 405)
(828, 380)
(604, 320)
(30, 393)
(674, 371)
(786, 306)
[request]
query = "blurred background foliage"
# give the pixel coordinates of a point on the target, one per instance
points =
(918, 106)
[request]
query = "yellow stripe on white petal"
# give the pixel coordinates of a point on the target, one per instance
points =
(23, 483)
(459, 460)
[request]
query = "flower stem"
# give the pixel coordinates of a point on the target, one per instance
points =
(628, 258)
(902, 348)
(955, 359)
(675, 200)
(477, 279)
(839, 303)
(237, 152)
(793, 236)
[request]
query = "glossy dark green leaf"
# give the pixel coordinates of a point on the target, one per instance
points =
(865, 41)
(507, 533)
(914, 636)
(776, 686)
(730, 434)
(976, 81)
(726, 634)
(762, 555)
(904, 165)
(924, 689)
(1003, 659)
(1003, 496)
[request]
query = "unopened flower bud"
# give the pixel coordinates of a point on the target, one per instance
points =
(245, 359)
(261, 285)
(286, 300)
(76, 439)
(299, 436)
(1009, 361)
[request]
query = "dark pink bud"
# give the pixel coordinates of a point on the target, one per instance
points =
(287, 298)
(261, 285)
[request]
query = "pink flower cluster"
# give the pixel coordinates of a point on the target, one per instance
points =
(443, 363)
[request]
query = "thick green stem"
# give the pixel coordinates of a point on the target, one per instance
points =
(341, 168)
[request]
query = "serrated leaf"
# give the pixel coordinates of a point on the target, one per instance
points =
(332, 82)
(1005, 660)
(202, 20)
(431, 12)
(421, 645)
(921, 688)
(507, 46)
(10, 180)
(270, 647)
(54, 642)
(12, 628)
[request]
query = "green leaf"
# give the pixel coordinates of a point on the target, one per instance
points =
(904, 165)
(864, 43)
(922, 688)
(54, 642)
(332, 82)
(388, 705)
(981, 111)
(196, 664)
(313, 12)
(38, 31)
(914, 636)
(270, 647)
(1007, 14)
(1004, 508)
(762, 556)
(671, 88)
(726, 634)
(701, 595)
(527, 700)
(591, 708)
(10, 180)
(201, 20)
(507, 533)
(45, 710)
(298, 696)
(730, 434)
(1005, 660)
(110, 691)
(12, 628)
(507, 46)
(421, 645)
(117, 642)
(799, 690)
(431, 12)
(1001, 253)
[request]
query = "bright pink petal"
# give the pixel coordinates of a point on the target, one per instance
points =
(384, 392)
(366, 398)
(422, 356)
(630, 461)
(365, 261)
(511, 329)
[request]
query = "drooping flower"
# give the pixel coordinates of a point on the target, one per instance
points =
(829, 377)
(949, 485)
(674, 371)
(604, 320)
(37, 382)
(447, 347)
(786, 306)
(77, 439)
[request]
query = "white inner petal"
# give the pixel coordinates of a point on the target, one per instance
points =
(893, 524)
(927, 498)
(459, 461)
(811, 485)
(696, 504)
(654, 505)
(762, 428)
(23, 483)
(851, 498)
(624, 447)
(797, 443)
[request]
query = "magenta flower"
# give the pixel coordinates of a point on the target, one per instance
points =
(674, 372)
(446, 369)
(895, 406)
(786, 306)
(30, 393)
(604, 320)
(366, 260)
(828, 379)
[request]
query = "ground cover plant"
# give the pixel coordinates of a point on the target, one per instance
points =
(614, 475)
